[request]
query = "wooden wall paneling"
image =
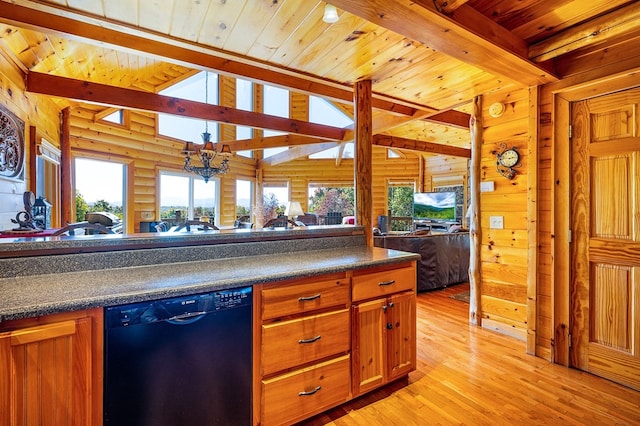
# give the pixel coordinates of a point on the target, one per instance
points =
(505, 308)
(226, 210)
(37, 112)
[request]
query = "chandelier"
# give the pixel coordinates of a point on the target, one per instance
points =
(207, 152)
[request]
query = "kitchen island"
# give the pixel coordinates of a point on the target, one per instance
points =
(59, 283)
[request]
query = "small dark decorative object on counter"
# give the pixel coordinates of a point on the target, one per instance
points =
(26, 224)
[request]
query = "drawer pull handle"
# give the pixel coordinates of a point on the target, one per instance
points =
(308, 298)
(310, 392)
(313, 339)
(383, 283)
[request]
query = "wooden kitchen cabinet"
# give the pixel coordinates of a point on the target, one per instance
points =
(304, 341)
(51, 369)
(384, 327)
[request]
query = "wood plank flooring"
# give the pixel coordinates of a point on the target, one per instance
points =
(470, 376)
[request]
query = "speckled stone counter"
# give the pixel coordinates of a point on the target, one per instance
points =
(27, 296)
(47, 284)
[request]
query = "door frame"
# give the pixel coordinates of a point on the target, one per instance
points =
(564, 93)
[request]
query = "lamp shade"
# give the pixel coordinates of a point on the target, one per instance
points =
(293, 209)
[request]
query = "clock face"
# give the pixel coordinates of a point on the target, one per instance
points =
(509, 158)
(29, 198)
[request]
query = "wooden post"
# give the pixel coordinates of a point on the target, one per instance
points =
(363, 158)
(475, 232)
(66, 170)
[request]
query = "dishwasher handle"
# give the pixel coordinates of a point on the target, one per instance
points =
(186, 318)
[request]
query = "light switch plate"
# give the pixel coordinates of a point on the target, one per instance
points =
(487, 186)
(496, 222)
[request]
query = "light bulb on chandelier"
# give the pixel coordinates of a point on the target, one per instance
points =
(330, 14)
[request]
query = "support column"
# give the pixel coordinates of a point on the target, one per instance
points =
(66, 170)
(475, 231)
(363, 158)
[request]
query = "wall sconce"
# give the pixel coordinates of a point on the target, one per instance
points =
(330, 14)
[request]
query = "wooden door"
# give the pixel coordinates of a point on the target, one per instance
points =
(605, 252)
(401, 330)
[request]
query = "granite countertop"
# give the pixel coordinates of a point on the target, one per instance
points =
(35, 295)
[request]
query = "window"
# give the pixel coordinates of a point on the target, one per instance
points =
(331, 200)
(274, 200)
(202, 87)
(100, 187)
(276, 102)
(244, 198)
(400, 205)
(323, 112)
(116, 117)
(48, 179)
(185, 197)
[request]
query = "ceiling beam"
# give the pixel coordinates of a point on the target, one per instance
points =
(616, 23)
(89, 29)
(415, 145)
(280, 141)
(103, 94)
(467, 36)
(294, 153)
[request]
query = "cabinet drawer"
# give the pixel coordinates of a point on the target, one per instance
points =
(299, 298)
(294, 396)
(382, 283)
(291, 343)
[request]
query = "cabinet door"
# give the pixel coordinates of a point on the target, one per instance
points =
(47, 374)
(368, 348)
(401, 334)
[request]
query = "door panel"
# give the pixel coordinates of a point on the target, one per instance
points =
(605, 219)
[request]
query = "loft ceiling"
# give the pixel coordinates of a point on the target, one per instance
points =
(427, 59)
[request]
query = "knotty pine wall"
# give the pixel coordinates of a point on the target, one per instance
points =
(504, 252)
(35, 111)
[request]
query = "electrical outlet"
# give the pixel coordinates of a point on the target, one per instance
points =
(496, 222)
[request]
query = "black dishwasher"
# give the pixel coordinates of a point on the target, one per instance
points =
(180, 361)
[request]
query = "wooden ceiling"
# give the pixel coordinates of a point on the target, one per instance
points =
(427, 59)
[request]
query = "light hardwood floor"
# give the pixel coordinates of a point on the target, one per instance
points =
(470, 376)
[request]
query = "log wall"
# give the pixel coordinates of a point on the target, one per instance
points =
(37, 111)
(504, 251)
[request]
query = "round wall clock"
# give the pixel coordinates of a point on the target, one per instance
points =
(507, 159)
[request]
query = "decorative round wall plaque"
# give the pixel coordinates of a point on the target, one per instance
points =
(11, 145)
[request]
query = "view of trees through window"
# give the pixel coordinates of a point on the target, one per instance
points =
(107, 195)
(330, 199)
(400, 202)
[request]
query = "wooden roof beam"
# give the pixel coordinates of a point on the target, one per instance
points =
(466, 35)
(280, 141)
(622, 21)
(62, 87)
(415, 145)
(294, 153)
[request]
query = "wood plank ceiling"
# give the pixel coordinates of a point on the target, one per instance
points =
(427, 59)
